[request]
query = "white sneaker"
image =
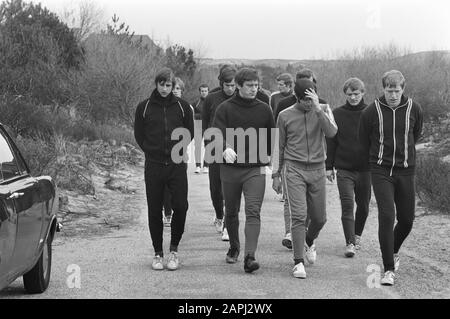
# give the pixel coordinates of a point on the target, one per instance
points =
(299, 271)
(357, 242)
(388, 279)
(225, 236)
(173, 262)
(157, 263)
(349, 250)
(310, 253)
(197, 170)
(205, 170)
(219, 225)
(396, 261)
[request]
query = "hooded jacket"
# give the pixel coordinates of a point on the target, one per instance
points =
(155, 120)
(240, 113)
(342, 150)
(388, 135)
(302, 135)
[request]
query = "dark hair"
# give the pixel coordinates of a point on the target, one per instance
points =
(286, 78)
(246, 74)
(227, 74)
(354, 84)
(204, 85)
(165, 75)
(393, 78)
(305, 74)
(301, 86)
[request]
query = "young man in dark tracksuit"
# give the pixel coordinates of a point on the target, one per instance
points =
(156, 118)
(212, 101)
(389, 130)
(345, 155)
(243, 171)
(302, 153)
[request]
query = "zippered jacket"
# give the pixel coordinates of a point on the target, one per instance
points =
(388, 135)
(155, 120)
(302, 136)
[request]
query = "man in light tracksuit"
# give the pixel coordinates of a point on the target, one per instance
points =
(302, 154)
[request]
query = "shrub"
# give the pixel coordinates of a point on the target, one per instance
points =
(433, 182)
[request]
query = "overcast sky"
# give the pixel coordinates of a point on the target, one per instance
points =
(282, 29)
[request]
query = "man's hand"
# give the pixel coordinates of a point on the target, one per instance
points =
(315, 100)
(331, 175)
(276, 185)
(229, 155)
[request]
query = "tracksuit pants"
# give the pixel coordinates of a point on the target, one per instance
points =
(157, 177)
(353, 187)
(305, 189)
(252, 183)
(395, 197)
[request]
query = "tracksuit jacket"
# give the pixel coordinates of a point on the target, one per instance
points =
(388, 135)
(155, 120)
(302, 136)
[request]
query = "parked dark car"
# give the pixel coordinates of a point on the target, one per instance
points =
(28, 207)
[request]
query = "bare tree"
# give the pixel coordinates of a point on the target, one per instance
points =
(87, 18)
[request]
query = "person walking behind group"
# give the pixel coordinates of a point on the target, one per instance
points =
(389, 129)
(198, 138)
(243, 171)
(344, 155)
(285, 84)
(212, 101)
(155, 120)
(302, 154)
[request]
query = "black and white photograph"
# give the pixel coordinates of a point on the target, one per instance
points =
(224, 158)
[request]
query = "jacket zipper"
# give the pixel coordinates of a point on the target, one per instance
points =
(165, 134)
(395, 144)
(307, 141)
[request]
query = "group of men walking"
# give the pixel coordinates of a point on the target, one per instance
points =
(304, 142)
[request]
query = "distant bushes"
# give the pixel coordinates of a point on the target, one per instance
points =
(433, 182)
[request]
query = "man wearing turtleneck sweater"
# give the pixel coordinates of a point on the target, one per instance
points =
(155, 120)
(246, 156)
(345, 155)
(389, 129)
(302, 153)
(212, 101)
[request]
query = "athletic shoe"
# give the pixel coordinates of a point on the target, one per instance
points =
(357, 242)
(250, 264)
(349, 250)
(205, 170)
(225, 236)
(167, 220)
(299, 271)
(232, 256)
(388, 279)
(157, 263)
(219, 225)
(287, 241)
(396, 261)
(197, 170)
(173, 262)
(310, 253)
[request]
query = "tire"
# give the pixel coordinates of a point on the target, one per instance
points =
(37, 279)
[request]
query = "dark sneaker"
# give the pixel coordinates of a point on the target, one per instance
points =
(287, 241)
(250, 264)
(232, 256)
